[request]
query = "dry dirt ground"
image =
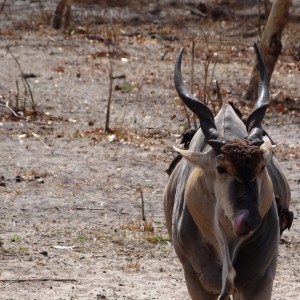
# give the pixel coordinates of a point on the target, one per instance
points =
(71, 195)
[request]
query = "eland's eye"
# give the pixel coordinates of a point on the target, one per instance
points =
(221, 170)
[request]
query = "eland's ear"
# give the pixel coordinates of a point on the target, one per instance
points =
(193, 157)
(203, 160)
(267, 148)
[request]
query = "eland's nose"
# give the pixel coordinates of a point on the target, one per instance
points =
(244, 222)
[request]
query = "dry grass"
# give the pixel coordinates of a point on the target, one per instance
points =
(138, 226)
(157, 238)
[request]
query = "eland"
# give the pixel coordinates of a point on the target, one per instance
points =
(220, 200)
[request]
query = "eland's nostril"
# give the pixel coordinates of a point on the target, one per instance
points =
(252, 222)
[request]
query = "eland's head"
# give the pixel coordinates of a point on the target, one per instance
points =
(236, 167)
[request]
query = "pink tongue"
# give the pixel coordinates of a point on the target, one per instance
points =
(239, 220)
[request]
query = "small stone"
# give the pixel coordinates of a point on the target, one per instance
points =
(44, 252)
(18, 178)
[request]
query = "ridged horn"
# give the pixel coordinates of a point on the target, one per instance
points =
(204, 114)
(254, 120)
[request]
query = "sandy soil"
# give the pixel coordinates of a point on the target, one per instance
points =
(71, 195)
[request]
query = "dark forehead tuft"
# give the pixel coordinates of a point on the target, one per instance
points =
(241, 154)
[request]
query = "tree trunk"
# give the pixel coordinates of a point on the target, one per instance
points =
(270, 44)
(63, 10)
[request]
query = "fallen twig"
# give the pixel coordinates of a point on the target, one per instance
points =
(40, 139)
(99, 208)
(93, 208)
(11, 110)
(38, 280)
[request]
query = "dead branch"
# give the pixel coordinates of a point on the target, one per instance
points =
(192, 77)
(219, 95)
(143, 205)
(207, 81)
(187, 115)
(270, 44)
(63, 10)
(2, 7)
(24, 80)
(192, 66)
(139, 88)
(17, 94)
(111, 80)
(210, 84)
